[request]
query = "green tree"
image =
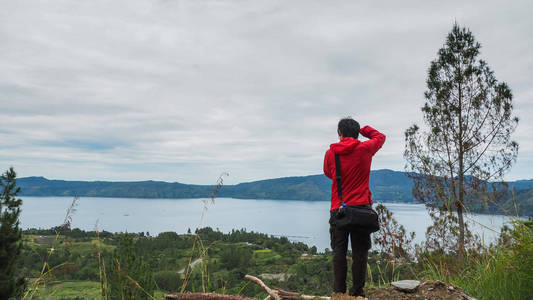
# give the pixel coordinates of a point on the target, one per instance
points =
(10, 236)
(168, 280)
(441, 234)
(235, 257)
(129, 276)
(392, 239)
(467, 143)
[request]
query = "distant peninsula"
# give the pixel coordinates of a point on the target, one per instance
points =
(386, 186)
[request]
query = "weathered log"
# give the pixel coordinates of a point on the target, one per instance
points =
(277, 294)
(204, 296)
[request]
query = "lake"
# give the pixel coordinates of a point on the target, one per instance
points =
(304, 221)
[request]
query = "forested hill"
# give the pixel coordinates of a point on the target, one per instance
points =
(386, 185)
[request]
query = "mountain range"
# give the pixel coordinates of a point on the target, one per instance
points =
(386, 186)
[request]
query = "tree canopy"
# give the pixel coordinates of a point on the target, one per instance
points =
(467, 141)
(10, 236)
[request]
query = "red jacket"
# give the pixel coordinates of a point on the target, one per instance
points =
(355, 157)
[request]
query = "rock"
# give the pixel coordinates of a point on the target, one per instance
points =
(408, 286)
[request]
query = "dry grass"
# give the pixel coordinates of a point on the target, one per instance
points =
(46, 271)
(197, 242)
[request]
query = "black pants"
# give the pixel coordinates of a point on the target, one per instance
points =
(360, 246)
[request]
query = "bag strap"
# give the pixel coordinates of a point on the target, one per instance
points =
(338, 178)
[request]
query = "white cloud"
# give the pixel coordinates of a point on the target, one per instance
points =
(183, 90)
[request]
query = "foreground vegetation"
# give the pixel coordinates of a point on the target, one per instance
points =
(502, 272)
(73, 270)
(225, 258)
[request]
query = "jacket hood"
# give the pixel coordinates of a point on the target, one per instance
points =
(347, 145)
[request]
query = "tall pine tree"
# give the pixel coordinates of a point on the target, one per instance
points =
(10, 236)
(468, 114)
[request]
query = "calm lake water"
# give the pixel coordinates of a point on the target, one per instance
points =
(303, 221)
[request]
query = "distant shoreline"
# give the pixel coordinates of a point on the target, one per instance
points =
(376, 202)
(386, 185)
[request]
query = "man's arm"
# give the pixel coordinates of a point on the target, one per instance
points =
(376, 139)
(327, 170)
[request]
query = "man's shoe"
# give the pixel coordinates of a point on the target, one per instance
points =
(359, 293)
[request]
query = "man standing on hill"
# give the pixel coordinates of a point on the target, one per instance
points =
(355, 159)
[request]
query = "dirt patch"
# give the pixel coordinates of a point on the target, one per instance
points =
(431, 289)
(345, 297)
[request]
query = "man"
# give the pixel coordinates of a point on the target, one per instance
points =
(355, 159)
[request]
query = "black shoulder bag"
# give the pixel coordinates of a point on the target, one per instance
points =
(354, 218)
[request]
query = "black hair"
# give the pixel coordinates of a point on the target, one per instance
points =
(349, 127)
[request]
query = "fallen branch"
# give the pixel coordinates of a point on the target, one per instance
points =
(277, 294)
(204, 296)
(272, 293)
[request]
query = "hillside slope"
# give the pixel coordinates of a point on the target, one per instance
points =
(386, 186)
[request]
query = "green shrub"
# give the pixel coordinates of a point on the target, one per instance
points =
(168, 280)
(234, 257)
(129, 277)
(508, 272)
(503, 272)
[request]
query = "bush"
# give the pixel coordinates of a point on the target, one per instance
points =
(129, 277)
(234, 257)
(507, 273)
(504, 272)
(170, 281)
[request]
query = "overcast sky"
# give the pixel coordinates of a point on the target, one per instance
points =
(184, 90)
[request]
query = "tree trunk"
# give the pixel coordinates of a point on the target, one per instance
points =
(461, 174)
(461, 231)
